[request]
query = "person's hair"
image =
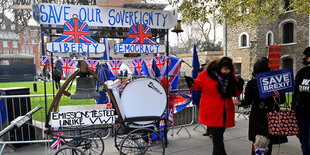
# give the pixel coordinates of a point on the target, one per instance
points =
(261, 66)
(218, 64)
(226, 62)
(305, 61)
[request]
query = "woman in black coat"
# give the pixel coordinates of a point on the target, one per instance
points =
(258, 124)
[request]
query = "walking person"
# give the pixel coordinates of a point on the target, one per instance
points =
(301, 103)
(57, 77)
(258, 123)
(217, 111)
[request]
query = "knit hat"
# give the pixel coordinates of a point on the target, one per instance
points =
(261, 66)
(307, 52)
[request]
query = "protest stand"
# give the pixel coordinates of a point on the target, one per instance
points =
(77, 43)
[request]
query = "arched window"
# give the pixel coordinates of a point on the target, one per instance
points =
(287, 63)
(269, 38)
(244, 40)
(287, 31)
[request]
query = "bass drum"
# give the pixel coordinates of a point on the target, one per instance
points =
(143, 97)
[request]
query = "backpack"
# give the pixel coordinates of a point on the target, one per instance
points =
(57, 73)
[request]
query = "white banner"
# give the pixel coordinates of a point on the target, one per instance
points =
(139, 48)
(68, 47)
(82, 117)
(57, 14)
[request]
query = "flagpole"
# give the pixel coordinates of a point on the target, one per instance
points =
(167, 92)
(44, 81)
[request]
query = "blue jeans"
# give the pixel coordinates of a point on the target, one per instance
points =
(304, 136)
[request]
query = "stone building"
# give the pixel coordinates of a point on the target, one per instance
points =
(246, 44)
(19, 52)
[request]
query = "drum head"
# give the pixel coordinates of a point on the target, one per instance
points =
(143, 97)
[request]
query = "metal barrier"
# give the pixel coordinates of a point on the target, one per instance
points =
(33, 131)
(185, 117)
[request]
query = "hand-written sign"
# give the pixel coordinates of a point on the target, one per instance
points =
(105, 16)
(280, 80)
(139, 48)
(82, 117)
(64, 47)
(274, 56)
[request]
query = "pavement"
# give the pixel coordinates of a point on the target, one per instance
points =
(236, 143)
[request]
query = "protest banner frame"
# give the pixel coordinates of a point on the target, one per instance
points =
(101, 32)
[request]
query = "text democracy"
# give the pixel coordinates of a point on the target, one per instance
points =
(99, 16)
(65, 47)
(280, 81)
(139, 48)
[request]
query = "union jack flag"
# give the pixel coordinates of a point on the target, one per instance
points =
(160, 61)
(66, 65)
(174, 65)
(130, 66)
(137, 63)
(45, 61)
(92, 64)
(179, 101)
(139, 34)
(114, 66)
(169, 124)
(74, 66)
(148, 63)
(75, 31)
(57, 141)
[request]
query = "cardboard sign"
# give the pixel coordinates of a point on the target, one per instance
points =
(281, 80)
(82, 117)
(65, 47)
(139, 48)
(274, 56)
(56, 14)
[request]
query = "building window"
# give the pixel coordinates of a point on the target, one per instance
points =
(269, 38)
(3, 27)
(15, 44)
(5, 44)
(244, 40)
(288, 33)
(13, 27)
(287, 63)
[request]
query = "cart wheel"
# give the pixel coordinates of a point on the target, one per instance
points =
(142, 141)
(104, 134)
(118, 137)
(92, 144)
(70, 151)
(119, 134)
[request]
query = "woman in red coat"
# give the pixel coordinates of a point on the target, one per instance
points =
(217, 111)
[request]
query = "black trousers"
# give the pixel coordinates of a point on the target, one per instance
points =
(218, 140)
(57, 83)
